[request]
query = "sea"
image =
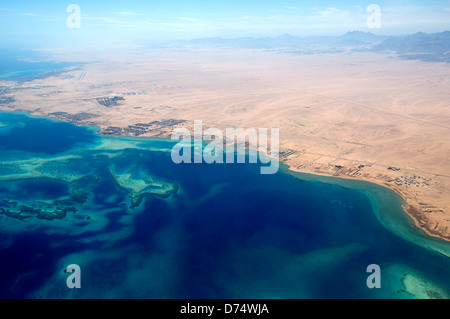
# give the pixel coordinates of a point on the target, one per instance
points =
(18, 64)
(140, 226)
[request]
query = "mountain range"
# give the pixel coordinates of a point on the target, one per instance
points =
(433, 47)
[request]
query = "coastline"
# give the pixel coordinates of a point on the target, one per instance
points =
(412, 205)
(306, 259)
(373, 138)
(421, 230)
(418, 233)
(409, 206)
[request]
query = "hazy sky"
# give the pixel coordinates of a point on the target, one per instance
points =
(44, 23)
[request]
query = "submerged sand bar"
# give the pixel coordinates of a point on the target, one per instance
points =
(365, 116)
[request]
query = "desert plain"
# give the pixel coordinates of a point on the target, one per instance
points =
(365, 116)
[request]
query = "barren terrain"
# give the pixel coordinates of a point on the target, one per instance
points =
(366, 116)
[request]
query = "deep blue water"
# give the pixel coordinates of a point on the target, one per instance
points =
(16, 64)
(227, 232)
(38, 135)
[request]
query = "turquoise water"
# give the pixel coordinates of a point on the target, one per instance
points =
(140, 226)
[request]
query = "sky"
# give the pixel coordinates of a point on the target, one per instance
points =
(45, 23)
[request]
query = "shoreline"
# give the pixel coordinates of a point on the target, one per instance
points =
(410, 209)
(363, 128)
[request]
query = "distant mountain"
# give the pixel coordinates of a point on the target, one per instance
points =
(360, 38)
(286, 43)
(419, 46)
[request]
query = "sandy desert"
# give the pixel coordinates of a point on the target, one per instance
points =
(364, 116)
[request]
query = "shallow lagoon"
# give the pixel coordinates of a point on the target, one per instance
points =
(141, 226)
